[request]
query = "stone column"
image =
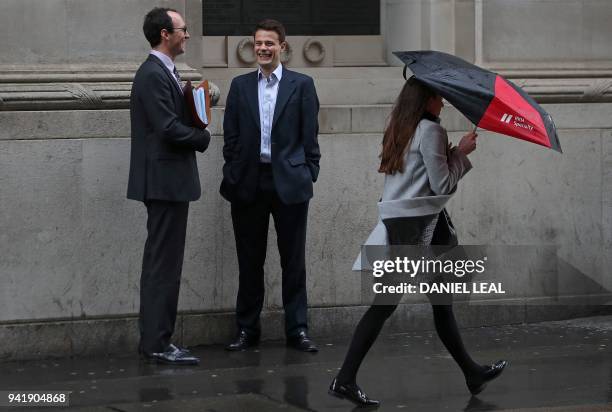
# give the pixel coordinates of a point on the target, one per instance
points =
(444, 25)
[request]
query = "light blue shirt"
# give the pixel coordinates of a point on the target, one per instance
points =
(167, 61)
(267, 93)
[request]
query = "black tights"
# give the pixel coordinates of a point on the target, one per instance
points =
(406, 231)
(372, 322)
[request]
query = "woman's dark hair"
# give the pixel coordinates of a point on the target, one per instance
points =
(155, 21)
(271, 25)
(405, 116)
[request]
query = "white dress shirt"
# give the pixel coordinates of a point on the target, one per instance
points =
(267, 93)
(167, 61)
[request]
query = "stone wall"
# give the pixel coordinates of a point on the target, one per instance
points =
(71, 244)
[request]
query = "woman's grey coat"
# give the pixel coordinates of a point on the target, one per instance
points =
(430, 176)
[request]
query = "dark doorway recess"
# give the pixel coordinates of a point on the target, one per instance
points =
(300, 17)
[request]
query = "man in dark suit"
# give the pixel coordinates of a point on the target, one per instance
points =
(271, 160)
(163, 175)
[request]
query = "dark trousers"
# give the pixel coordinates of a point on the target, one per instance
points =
(251, 222)
(162, 264)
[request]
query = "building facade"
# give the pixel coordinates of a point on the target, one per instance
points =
(71, 243)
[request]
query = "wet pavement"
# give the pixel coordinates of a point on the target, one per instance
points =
(554, 366)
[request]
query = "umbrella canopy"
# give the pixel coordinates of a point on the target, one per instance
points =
(487, 99)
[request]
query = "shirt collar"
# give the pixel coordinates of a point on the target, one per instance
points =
(165, 59)
(278, 72)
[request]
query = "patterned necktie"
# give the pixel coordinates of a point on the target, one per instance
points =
(271, 81)
(177, 75)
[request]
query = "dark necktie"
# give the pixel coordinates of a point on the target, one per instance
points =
(177, 75)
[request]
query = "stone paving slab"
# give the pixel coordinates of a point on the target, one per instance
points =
(559, 366)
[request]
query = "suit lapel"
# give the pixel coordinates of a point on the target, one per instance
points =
(286, 87)
(171, 77)
(252, 93)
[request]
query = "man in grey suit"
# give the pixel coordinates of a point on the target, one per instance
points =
(164, 176)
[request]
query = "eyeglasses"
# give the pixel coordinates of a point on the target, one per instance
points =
(184, 29)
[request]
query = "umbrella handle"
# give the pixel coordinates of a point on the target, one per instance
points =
(475, 128)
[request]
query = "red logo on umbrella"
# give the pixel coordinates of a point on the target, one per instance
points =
(525, 122)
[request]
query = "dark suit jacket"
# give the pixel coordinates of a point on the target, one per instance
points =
(295, 149)
(162, 160)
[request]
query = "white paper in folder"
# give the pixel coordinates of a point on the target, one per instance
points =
(199, 98)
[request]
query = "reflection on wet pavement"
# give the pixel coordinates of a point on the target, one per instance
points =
(554, 366)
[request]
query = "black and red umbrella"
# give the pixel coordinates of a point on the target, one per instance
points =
(487, 99)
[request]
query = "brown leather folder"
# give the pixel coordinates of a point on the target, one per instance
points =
(189, 101)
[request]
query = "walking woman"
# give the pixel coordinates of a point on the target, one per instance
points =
(421, 172)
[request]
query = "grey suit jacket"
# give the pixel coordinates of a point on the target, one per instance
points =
(162, 158)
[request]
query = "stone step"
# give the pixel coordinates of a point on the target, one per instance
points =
(100, 337)
(381, 85)
(315, 72)
(333, 119)
(356, 119)
(335, 86)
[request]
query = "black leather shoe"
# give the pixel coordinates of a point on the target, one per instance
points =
(243, 341)
(351, 392)
(302, 342)
(173, 355)
(142, 352)
(477, 385)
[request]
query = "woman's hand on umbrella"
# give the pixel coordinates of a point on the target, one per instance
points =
(467, 144)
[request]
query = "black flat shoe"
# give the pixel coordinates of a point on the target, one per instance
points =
(302, 343)
(477, 385)
(242, 342)
(351, 392)
(173, 355)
